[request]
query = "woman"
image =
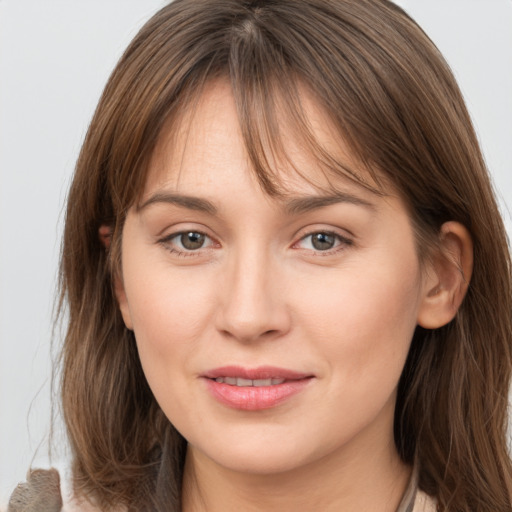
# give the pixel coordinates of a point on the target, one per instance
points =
(287, 277)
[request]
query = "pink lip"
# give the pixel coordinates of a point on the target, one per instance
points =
(252, 398)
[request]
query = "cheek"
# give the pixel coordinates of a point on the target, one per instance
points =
(170, 315)
(363, 320)
(170, 312)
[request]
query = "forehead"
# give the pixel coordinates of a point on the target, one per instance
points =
(207, 141)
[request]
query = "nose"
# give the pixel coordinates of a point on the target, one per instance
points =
(252, 305)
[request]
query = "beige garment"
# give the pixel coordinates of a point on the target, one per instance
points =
(41, 493)
(424, 503)
(414, 499)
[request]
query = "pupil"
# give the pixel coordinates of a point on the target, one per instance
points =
(192, 240)
(323, 241)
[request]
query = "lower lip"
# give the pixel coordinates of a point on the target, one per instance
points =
(255, 398)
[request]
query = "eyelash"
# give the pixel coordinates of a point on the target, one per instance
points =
(342, 243)
(184, 253)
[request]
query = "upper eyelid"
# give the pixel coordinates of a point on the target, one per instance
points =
(342, 233)
(176, 228)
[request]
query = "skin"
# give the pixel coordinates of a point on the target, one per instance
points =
(258, 292)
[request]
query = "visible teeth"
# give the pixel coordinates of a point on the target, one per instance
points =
(241, 382)
(262, 382)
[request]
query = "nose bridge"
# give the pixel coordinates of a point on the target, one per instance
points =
(251, 306)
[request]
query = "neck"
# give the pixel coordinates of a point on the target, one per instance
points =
(368, 475)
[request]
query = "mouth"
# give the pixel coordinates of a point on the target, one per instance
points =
(241, 382)
(254, 389)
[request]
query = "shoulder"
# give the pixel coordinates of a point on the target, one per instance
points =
(42, 493)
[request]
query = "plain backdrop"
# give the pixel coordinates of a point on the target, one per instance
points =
(55, 57)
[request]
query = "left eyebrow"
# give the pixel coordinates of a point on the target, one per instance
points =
(299, 205)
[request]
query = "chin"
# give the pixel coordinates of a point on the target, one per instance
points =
(265, 453)
(258, 462)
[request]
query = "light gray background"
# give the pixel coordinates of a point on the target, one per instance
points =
(55, 57)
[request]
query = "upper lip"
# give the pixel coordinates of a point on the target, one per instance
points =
(261, 372)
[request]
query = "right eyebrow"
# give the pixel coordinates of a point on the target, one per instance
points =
(189, 202)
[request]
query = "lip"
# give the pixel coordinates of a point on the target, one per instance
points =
(252, 398)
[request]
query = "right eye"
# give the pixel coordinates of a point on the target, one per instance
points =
(186, 243)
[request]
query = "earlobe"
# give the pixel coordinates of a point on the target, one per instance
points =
(447, 278)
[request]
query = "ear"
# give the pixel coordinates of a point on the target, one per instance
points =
(447, 277)
(105, 235)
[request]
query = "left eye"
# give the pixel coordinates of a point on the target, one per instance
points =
(190, 241)
(321, 241)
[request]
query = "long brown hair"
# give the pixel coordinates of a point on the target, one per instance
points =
(394, 101)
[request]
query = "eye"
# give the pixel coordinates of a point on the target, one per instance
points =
(191, 240)
(323, 241)
(187, 242)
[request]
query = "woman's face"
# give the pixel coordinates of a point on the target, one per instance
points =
(272, 331)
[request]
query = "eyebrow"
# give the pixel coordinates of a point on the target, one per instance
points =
(293, 206)
(190, 202)
(304, 204)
